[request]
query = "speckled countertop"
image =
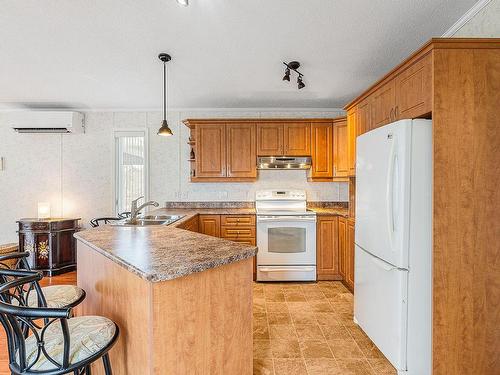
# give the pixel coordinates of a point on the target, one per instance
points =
(160, 253)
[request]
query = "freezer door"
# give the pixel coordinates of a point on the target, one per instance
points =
(380, 305)
(383, 192)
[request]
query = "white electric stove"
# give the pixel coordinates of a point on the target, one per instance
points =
(286, 236)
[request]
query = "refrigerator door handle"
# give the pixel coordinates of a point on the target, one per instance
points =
(390, 190)
(385, 266)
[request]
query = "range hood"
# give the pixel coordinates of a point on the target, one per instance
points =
(284, 162)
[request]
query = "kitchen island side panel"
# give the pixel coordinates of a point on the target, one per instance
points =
(116, 293)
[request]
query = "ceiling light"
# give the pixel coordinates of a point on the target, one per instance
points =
(300, 84)
(164, 129)
(184, 3)
(294, 65)
(287, 75)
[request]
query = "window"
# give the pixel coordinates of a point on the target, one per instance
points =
(131, 168)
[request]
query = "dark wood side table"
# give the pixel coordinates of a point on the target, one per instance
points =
(50, 243)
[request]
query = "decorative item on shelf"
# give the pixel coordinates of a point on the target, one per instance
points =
(191, 154)
(43, 210)
(294, 65)
(164, 129)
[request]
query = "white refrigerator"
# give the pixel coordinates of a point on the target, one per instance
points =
(393, 241)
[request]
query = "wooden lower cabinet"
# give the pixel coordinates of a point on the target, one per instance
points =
(210, 225)
(346, 251)
(349, 276)
(327, 249)
(236, 228)
(342, 230)
(191, 224)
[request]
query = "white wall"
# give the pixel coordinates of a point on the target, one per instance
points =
(75, 173)
(485, 24)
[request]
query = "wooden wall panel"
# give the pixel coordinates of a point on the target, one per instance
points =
(132, 298)
(466, 262)
(203, 322)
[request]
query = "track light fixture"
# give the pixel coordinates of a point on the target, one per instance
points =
(300, 84)
(294, 65)
(287, 75)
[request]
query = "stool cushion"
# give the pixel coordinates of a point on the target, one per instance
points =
(56, 296)
(5, 249)
(88, 335)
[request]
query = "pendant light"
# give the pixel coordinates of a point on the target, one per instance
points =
(164, 129)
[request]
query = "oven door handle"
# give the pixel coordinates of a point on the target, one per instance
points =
(295, 269)
(286, 218)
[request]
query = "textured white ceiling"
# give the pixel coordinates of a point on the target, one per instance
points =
(102, 54)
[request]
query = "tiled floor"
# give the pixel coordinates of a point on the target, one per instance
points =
(307, 329)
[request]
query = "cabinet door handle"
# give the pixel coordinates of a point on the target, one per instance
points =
(396, 112)
(391, 115)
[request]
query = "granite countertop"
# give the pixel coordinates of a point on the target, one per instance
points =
(160, 253)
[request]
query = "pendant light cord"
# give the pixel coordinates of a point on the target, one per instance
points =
(164, 91)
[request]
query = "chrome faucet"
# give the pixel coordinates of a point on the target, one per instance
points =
(134, 210)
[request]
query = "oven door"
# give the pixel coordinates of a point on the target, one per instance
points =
(286, 240)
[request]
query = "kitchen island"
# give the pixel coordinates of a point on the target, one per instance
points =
(182, 300)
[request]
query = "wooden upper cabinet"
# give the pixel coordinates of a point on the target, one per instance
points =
(327, 251)
(241, 150)
(364, 116)
(351, 140)
(297, 139)
(340, 156)
(383, 102)
(269, 139)
(414, 90)
(211, 150)
(209, 225)
(322, 150)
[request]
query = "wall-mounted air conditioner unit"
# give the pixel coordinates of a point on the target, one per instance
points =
(46, 122)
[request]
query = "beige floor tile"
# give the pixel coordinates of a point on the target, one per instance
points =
(259, 309)
(290, 367)
(263, 367)
(295, 296)
(335, 332)
(259, 316)
(345, 349)
(316, 295)
(342, 307)
(260, 331)
(321, 306)
(382, 367)
(275, 297)
(300, 306)
(277, 307)
(262, 349)
(299, 317)
(279, 318)
(328, 318)
(315, 349)
(309, 332)
(285, 348)
(322, 366)
(355, 367)
(282, 331)
(370, 350)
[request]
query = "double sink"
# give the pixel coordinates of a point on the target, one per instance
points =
(147, 220)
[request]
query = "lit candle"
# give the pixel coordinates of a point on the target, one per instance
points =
(43, 210)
